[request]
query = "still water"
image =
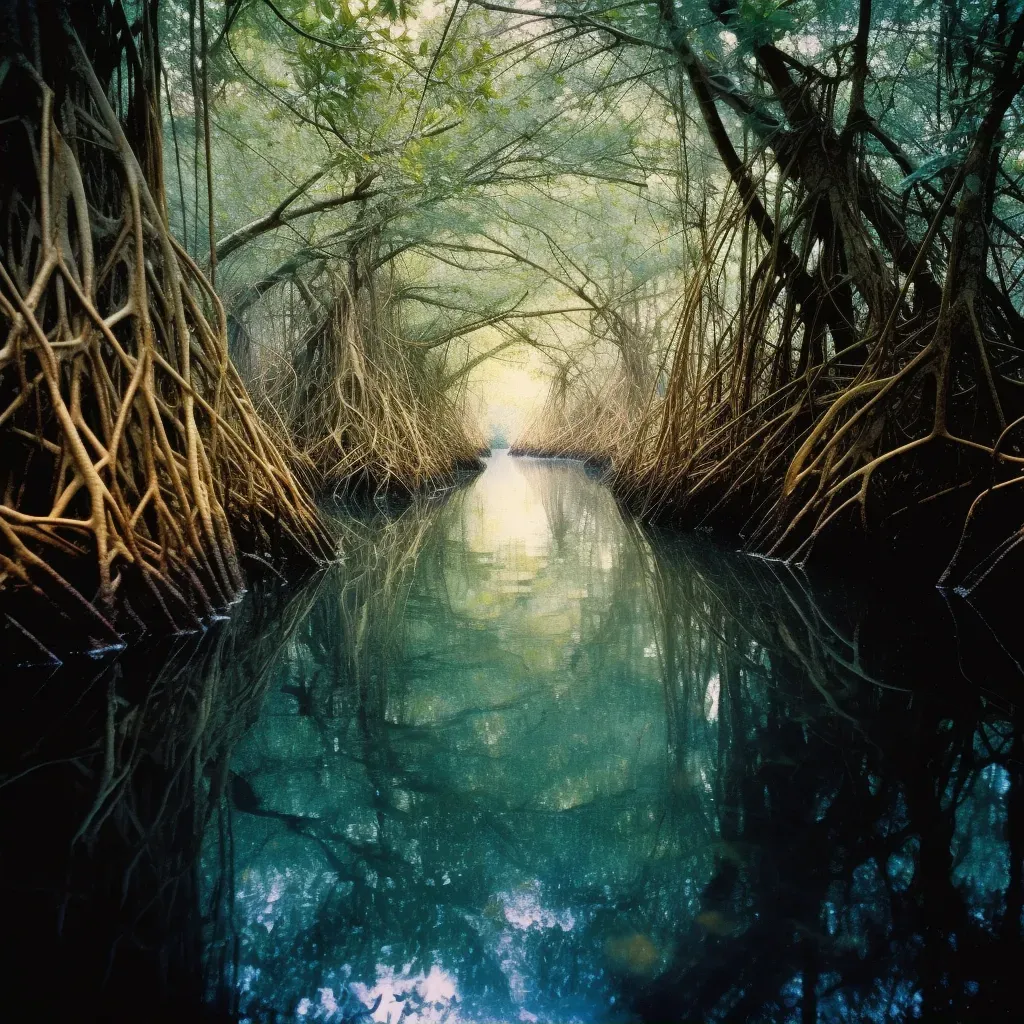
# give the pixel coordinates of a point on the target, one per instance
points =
(516, 759)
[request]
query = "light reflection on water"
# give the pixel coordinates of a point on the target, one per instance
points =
(522, 762)
(475, 847)
(517, 759)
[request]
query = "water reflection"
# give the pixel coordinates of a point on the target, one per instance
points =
(516, 759)
(866, 794)
(568, 771)
(458, 818)
(110, 773)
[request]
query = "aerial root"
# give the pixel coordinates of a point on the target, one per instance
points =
(135, 465)
(766, 429)
(361, 411)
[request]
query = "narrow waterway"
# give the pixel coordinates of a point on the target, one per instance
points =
(516, 759)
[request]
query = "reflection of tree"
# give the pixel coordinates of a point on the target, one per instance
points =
(600, 549)
(107, 791)
(381, 804)
(364, 599)
(337, 679)
(799, 836)
(869, 854)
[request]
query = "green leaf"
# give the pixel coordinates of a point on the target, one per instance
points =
(758, 22)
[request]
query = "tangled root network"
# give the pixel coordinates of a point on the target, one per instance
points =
(133, 467)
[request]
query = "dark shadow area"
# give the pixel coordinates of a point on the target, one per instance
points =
(112, 770)
(868, 797)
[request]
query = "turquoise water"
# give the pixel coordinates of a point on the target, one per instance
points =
(517, 758)
(474, 764)
(523, 762)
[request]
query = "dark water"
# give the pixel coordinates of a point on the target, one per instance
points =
(518, 760)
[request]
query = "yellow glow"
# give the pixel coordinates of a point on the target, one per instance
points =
(505, 392)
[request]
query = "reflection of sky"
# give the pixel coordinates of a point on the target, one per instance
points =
(504, 516)
(517, 791)
(531, 585)
(508, 834)
(981, 859)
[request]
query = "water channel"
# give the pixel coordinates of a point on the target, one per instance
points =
(516, 758)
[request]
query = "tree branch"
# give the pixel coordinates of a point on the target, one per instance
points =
(283, 214)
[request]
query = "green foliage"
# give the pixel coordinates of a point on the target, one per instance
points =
(758, 22)
(545, 182)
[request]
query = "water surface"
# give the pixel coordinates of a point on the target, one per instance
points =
(516, 759)
(466, 801)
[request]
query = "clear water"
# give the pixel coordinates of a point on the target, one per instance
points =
(483, 819)
(516, 759)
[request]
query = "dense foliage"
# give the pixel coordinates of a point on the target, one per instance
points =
(764, 259)
(766, 256)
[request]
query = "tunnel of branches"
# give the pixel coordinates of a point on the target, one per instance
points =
(761, 263)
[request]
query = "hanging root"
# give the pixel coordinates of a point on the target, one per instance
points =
(368, 413)
(830, 386)
(133, 467)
